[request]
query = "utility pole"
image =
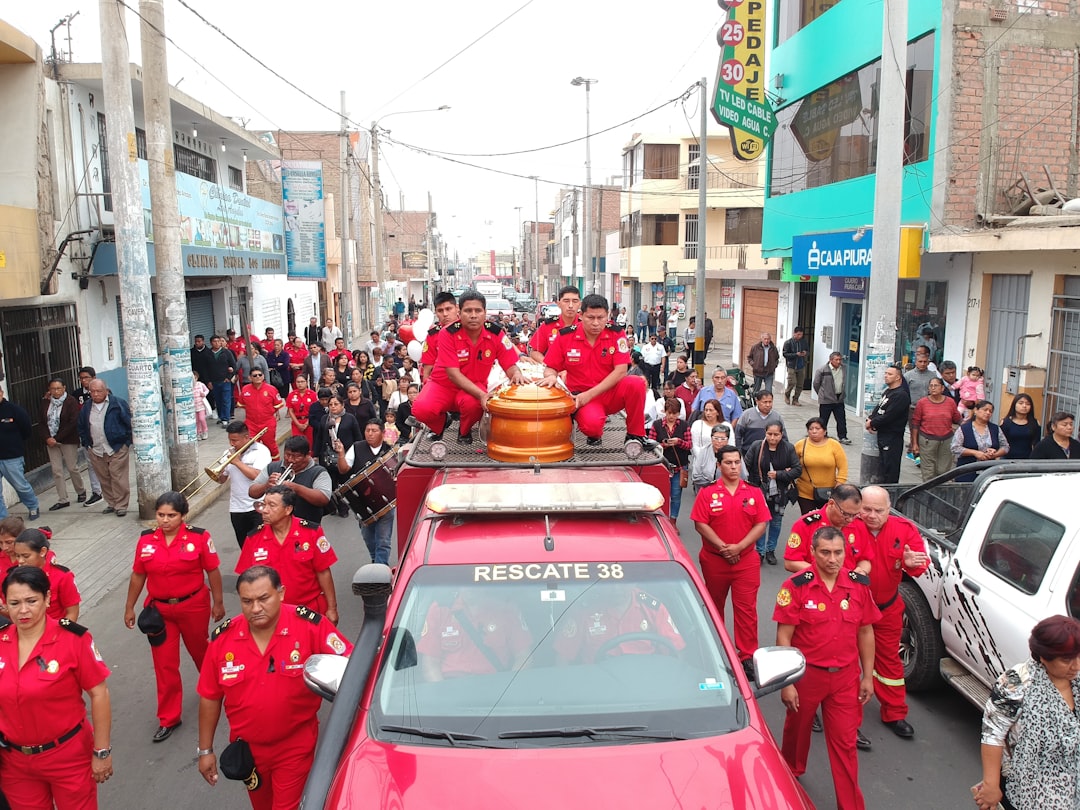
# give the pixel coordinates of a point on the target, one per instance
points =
(536, 237)
(140, 340)
(177, 384)
(376, 200)
(432, 253)
(702, 213)
(879, 320)
(348, 282)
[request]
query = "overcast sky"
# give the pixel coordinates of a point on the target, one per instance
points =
(510, 91)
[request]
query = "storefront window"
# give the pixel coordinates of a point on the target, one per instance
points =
(794, 15)
(920, 317)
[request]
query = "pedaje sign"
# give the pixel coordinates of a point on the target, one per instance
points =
(739, 100)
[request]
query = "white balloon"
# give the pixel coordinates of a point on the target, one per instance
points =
(425, 318)
(420, 332)
(416, 350)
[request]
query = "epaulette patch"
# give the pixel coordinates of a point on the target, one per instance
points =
(308, 615)
(72, 627)
(805, 578)
(221, 628)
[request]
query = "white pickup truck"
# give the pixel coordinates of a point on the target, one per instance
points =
(1005, 554)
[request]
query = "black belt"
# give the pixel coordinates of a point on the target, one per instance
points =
(177, 600)
(888, 604)
(828, 669)
(38, 749)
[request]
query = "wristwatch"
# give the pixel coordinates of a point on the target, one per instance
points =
(202, 752)
(103, 753)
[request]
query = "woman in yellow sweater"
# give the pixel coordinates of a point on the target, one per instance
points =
(824, 464)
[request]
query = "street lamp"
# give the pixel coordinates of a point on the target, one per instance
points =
(589, 276)
(376, 190)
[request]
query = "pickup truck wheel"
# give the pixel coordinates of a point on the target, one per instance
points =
(921, 648)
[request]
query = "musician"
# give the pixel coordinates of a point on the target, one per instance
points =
(308, 480)
(468, 350)
(247, 466)
(548, 329)
(353, 460)
(447, 312)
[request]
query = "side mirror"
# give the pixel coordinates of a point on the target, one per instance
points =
(775, 668)
(323, 674)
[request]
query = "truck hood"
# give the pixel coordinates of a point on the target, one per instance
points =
(739, 771)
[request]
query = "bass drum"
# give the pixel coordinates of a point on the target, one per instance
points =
(372, 492)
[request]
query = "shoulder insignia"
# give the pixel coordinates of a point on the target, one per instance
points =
(145, 532)
(783, 598)
(648, 601)
(305, 523)
(805, 578)
(196, 529)
(855, 576)
(551, 321)
(813, 517)
(614, 327)
(5, 622)
(308, 615)
(60, 567)
(568, 330)
(454, 327)
(255, 531)
(72, 627)
(221, 628)
(494, 328)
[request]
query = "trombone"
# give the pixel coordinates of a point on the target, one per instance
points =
(215, 470)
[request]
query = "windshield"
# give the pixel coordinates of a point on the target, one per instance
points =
(498, 304)
(553, 654)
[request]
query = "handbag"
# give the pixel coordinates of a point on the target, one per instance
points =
(684, 477)
(275, 378)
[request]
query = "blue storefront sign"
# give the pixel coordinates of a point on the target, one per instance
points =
(848, 286)
(839, 253)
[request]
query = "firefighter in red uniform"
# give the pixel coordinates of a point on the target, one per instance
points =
(898, 549)
(298, 403)
(827, 612)
(841, 512)
(52, 757)
(468, 350)
(268, 342)
(255, 665)
(261, 402)
(548, 329)
(235, 344)
(170, 561)
(298, 550)
(446, 312)
(476, 634)
(32, 548)
(595, 356)
(730, 516)
(611, 611)
(298, 353)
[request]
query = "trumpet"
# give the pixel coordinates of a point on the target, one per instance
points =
(286, 475)
(215, 470)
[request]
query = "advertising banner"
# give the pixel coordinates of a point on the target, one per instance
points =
(305, 225)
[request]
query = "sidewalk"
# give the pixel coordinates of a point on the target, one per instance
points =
(99, 547)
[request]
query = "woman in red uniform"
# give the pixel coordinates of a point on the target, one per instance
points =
(32, 548)
(299, 404)
(170, 561)
(45, 667)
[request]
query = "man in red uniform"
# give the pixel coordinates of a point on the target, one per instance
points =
(827, 613)
(446, 312)
(261, 402)
(595, 356)
(477, 634)
(468, 350)
(548, 329)
(268, 343)
(255, 665)
(339, 348)
(730, 516)
(841, 512)
(609, 611)
(898, 549)
(297, 550)
(235, 344)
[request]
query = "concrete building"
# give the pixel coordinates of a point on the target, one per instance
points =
(535, 239)
(568, 239)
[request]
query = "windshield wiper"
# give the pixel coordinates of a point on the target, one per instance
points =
(453, 737)
(589, 731)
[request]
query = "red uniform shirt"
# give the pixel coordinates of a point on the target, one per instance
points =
(730, 516)
(474, 360)
(237, 347)
(268, 345)
(44, 700)
(175, 569)
(431, 346)
(299, 403)
(265, 697)
(826, 622)
(297, 356)
(546, 333)
(888, 568)
(585, 365)
(856, 545)
(260, 403)
(63, 591)
(583, 635)
(333, 355)
(503, 633)
(305, 553)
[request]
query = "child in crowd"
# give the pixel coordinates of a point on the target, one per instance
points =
(201, 410)
(32, 548)
(971, 390)
(10, 528)
(391, 435)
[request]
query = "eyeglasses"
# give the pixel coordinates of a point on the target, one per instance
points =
(848, 515)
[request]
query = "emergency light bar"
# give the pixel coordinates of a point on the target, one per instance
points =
(628, 496)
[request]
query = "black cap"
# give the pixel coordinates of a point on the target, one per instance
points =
(236, 762)
(153, 625)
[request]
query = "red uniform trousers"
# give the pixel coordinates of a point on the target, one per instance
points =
(628, 393)
(306, 433)
(742, 580)
(439, 399)
(269, 439)
(283, 769)
(189, 620)
(889, 687)
(60, 776)
(838, 695)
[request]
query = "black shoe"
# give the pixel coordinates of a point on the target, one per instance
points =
(816, 726)
(862, 742)
(466, 439)
(95, 497)
(81, 498)
(591, 442)
(108, 510)
(770, 558)
(59, 505)
(164, 732)
(121, 512)
(901, 728)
